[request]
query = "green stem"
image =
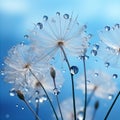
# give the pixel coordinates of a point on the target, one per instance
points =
(85, 76)
(112, 106)
(73, 91)
(45, 93)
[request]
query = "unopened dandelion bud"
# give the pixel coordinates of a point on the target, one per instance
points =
(20, 95)
(52, 72)
(96, 105)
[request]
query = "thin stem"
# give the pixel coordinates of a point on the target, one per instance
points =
(85, 76)
(37, 109)
(59, 107)
(93, 117)
(46, 94)
(73, 91)
(36, 116)
(111, 106)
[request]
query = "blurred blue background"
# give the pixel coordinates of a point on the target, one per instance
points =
(17, 18)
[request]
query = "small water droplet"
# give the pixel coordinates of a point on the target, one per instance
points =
(37, 92)
(66, 16)
(107, 28)
(96, 74)
(16, 105)
(107, 64)
(36, 100)
(117, 25)
(22, 108)
(80, 115)
(58, 13)
(7, 116)
(74, 70)
(86, 57)
(56, 91)
(2, 73)
(94, 52)
(45, 18)
(40, 25)
(95, 47)
(26, 36)
(42, 99)
(12, 92)
(115, 76)
(110, 96)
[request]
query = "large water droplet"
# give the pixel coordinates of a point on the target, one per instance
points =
(94, 52)
(107, 28)
(74, 70)
(80, 115)
(56, 91)
(107, 64)
(115, 76)
(58, 13)
(12, 92)
(66, 16)
(40, 25)
(45, 18)
(110, 96)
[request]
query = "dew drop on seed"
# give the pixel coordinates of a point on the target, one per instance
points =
(45, 18)
(56, 91)
(107, 28)
(80, 115)
(58, 13)
(12, 92)
(94, 52)
(115, 76)
(74, 70)
(26, 36)
(40, 25)
(110, 96)
(107, 64)
(66, 16)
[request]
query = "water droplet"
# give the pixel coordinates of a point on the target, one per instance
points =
(107, 28)
(45, 18)
(117, 25)
(107, 64)
(2, 73)
(36, 100)
(42, 99)
(58, 13)
(94, 52)
(96, 74)
(16, 105)
(22, 108)
(37, 92)
(26, 36)
(66, 16)
(95, 47)
(56, 91)
(115, 76)
(74, 70)
(80, 115)
(40, 25)
(12, 92)
(86, 57)
(110, 96)
(89, 36)
(7, 116)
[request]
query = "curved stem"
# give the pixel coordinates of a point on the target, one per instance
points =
(111, 106)
(85, 76)
(46, 94)
(73, 91)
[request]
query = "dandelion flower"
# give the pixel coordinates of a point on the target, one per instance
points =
(60, 31)
(110, 45)
(101, 80)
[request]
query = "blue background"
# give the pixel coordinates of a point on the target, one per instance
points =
(17, 18)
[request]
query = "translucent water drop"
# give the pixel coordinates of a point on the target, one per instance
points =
(58, 13)
(107, 64)
(36, 100)
(16, 105)
(96, 74)
(7, 116)
(42, 99)
(117, 25)
(2, 73)
(94, 52)
(107, 28)
(26, 36)
(110, 96)
(80, 115)
(95, 47)
(86, 57)
(12, 92)
(115, 76)
(37, 92)
(66, 16)
(22, 108)
(56, 91)
(45, 18)
(74, 70)
(40, 25)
